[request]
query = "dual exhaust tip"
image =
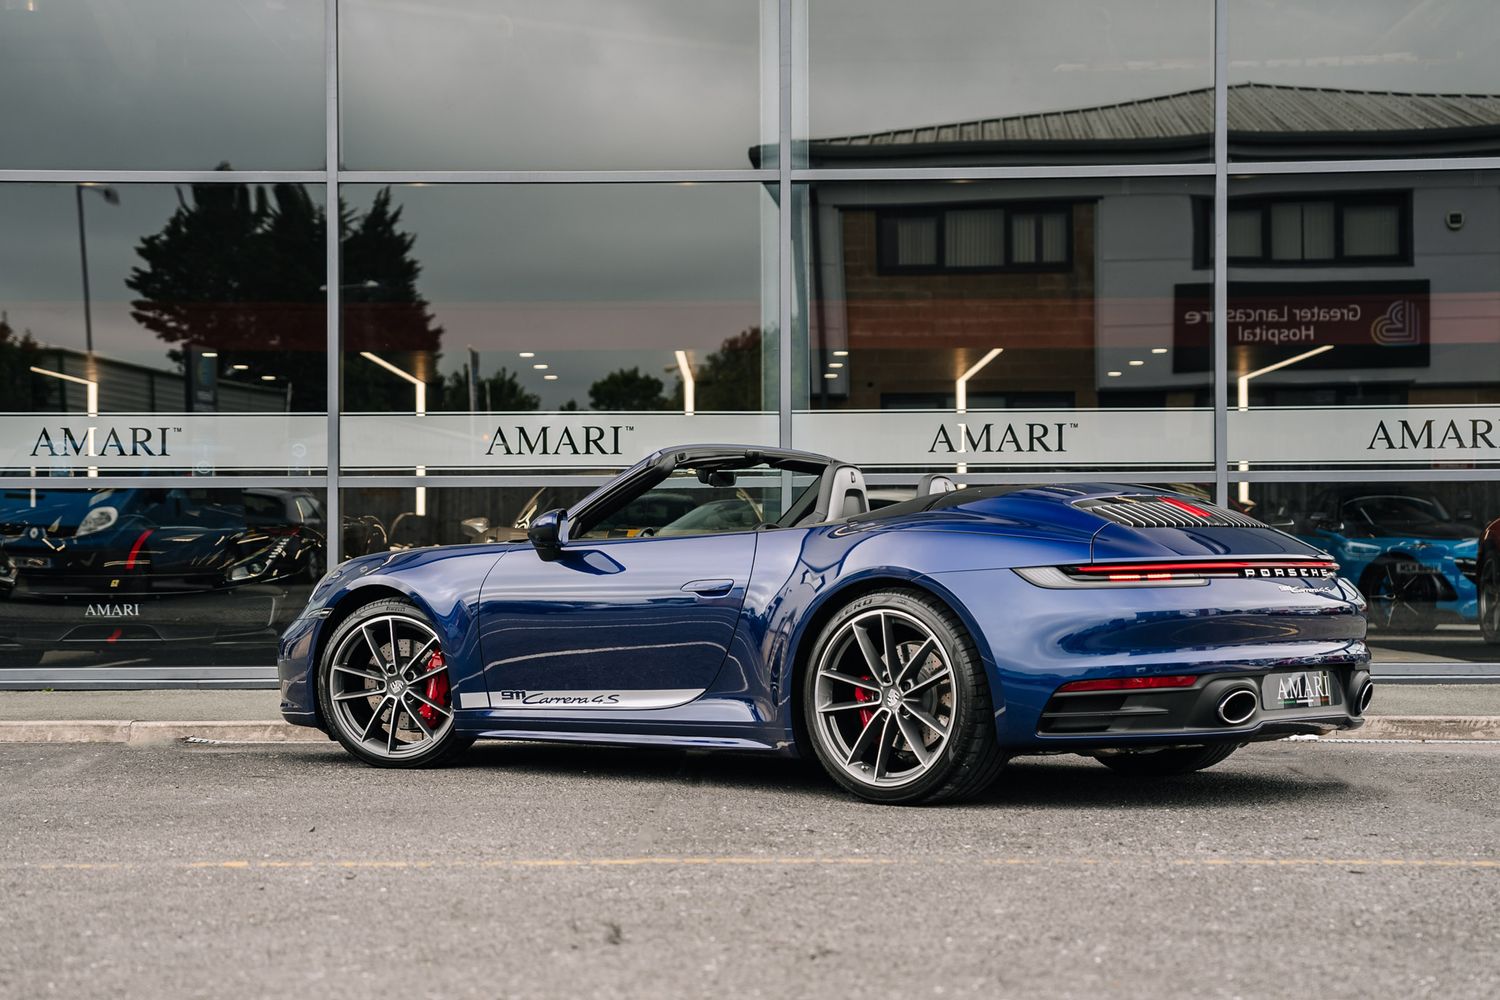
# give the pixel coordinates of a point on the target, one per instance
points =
(1238, 706)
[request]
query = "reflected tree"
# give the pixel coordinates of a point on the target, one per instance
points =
(240, 271)
(729, 379)
(22, 388)
(384, 313)
(500, 392)
(628, 389)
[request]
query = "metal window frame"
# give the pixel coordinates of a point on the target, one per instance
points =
(786, 177)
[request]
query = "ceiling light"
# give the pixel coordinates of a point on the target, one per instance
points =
(550, 378)
(1113, 374)
(1158, 350)
(528, 354)
(268, 378)
(240, 368)
(830, 374)
(841, 354)
(210, 354)
(540, 367)
(1136, 364)
(835, 364)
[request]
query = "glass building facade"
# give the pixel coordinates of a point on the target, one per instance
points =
(288, 281)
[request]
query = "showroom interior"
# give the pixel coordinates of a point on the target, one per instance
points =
(284, 282)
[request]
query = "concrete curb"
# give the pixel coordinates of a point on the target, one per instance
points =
(141, 733)
(1425, 727)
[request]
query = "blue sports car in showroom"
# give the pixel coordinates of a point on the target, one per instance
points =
(910, 649)
(1416, 564)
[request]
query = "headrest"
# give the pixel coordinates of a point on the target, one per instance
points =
(935, 482)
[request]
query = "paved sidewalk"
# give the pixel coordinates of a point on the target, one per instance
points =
(1401, 712)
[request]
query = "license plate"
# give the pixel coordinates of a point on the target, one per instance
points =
(1302, 689)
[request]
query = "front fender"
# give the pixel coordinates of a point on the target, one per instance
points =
(442, 584)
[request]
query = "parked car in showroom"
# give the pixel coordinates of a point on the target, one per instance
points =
(1489, 582)
(173, 571)
(1415, 562)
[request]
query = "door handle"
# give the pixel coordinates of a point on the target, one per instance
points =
(709, 588)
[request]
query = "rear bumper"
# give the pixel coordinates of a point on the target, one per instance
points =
(1227, 632)
(1190, 716)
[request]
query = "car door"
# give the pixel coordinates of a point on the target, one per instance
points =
(617, 623)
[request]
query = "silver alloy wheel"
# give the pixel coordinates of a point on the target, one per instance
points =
(1400, 601)
(388, 686)
(885, 698)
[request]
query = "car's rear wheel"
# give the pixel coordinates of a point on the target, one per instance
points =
(1398, 600)
(1489, 599)
(384, 689)
(1164, 763)
(896, 704)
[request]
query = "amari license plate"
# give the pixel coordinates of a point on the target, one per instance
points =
(1302, 689)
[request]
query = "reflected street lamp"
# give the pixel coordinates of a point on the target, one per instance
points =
(91, 403)
(112, 197)
(689, 387)
(961, 397)
(421, 411)
(1244, 397)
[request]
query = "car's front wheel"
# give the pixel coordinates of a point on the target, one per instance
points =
(1164, 763)
(384, 690)
(896, 703)
(1489, 599)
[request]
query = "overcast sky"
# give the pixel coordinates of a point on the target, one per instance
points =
(564, 84)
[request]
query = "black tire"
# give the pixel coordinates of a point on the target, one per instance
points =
(1165, 763)
(444, 747)
(1398, 602)
(967, 757)
(1489, 600)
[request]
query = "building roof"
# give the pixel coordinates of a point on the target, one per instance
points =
(1265, 122)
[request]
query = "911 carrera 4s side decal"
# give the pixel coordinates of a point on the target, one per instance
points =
(567, 701)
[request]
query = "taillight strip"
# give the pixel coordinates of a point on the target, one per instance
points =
(1129, 683)
(1202, 566)
(1175, 573)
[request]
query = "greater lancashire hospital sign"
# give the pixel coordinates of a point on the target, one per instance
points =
(1370, 324)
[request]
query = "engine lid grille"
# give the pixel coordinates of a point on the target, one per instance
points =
(1148, 511)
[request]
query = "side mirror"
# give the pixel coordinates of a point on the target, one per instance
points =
(547, 534)
(474, 527)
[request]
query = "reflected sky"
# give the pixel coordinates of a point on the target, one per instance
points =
(565, 84)
(161, 84)
(560, 84)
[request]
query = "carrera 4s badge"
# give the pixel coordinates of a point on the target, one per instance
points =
(558, 698)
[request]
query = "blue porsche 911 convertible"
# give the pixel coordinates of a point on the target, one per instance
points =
(911, 649)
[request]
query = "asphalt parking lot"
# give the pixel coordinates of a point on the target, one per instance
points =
(1293, 869)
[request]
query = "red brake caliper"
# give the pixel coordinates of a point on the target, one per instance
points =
(437, 689)
(861, 694)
